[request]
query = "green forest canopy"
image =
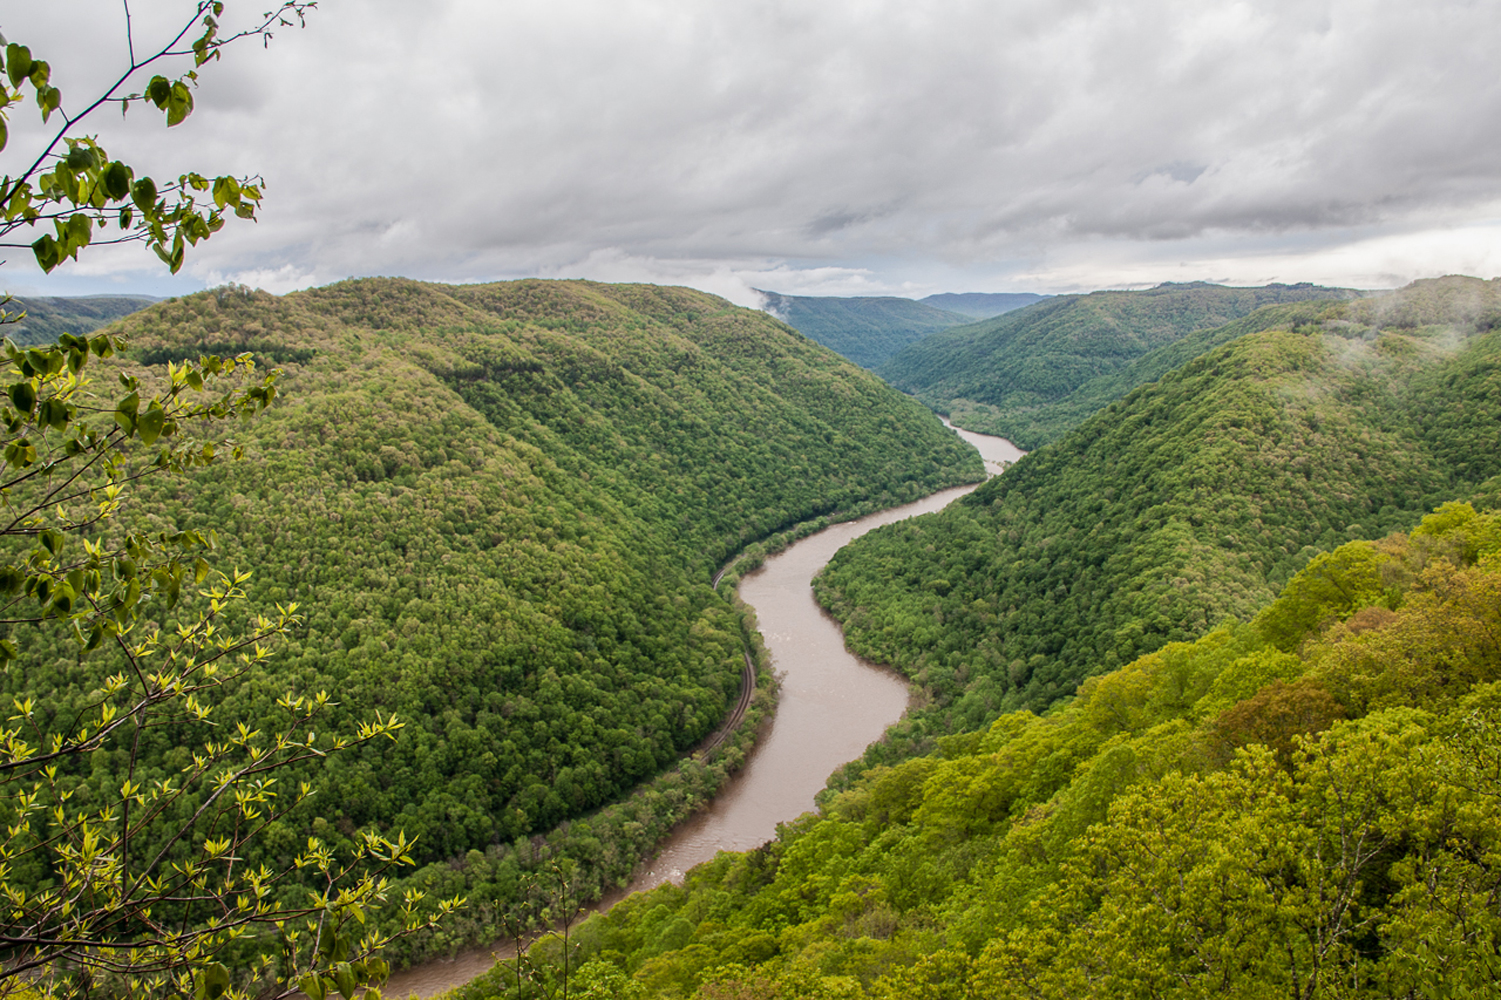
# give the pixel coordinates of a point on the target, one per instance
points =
(1304, 804)
(499, 508)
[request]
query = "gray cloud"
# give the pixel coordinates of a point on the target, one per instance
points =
(471, 139)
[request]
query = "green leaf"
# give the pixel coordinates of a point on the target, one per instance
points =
(81, 158)
(125, 412)
(48, 252)
(213, 982)
(327, 943)
(143, 193)
(159, 91)
(21, 453)
(48, 99)
(54, 413)
(17, 63)
(314, 985)
(149, 425)
(344, 979)
(117, 177)
(80, 229)
(226, 191)
(4, 133)
(23, 396)
(180, 104)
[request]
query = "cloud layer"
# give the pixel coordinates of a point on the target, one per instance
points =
(842, 146)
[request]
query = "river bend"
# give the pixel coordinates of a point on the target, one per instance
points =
(832, 706)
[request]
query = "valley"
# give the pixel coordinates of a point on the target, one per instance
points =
(499, 508)
(1276, 591)
(1253, 567)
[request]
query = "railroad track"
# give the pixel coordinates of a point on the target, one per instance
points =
(742, 704)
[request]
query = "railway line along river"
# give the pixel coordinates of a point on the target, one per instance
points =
(832, 706)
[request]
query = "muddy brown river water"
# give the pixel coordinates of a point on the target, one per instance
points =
(832, 706)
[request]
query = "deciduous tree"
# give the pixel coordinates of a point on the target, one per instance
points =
(141, 888)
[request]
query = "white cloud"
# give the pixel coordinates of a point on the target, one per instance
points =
(278, 281)
(843, 147)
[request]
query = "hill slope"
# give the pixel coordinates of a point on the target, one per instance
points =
(499, 507)
(1190, 500)
(866, 329)
(1017, 375)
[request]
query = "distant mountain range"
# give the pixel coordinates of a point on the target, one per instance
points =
(870, 329)
(983, 305)
(48, 316)
(1035, 373)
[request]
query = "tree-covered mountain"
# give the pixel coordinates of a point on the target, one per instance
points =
(499, 508)
(48, 316)
(982, 305)
(866, 329)
(1032, 374)
(1193, 499)
(1302, 805)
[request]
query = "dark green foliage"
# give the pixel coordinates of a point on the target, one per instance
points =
(264, 353)
(1031, 374)
(1189, 501)
(866, 329)
(48, 316)
(499, 508)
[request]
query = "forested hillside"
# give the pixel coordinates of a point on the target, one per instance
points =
(48, 316)
(1192, 500)
(499, 508)
(866, 329)
(1303, 804)
(1033, 374)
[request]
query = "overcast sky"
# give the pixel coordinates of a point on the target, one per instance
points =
(816, 146)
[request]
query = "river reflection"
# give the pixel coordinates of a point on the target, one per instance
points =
(832, 706)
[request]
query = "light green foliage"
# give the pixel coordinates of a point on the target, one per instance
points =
(1332, 586)
(71, 182)
(1113, 848)
(131, 798)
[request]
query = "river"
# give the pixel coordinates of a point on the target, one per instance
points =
(832, 706)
